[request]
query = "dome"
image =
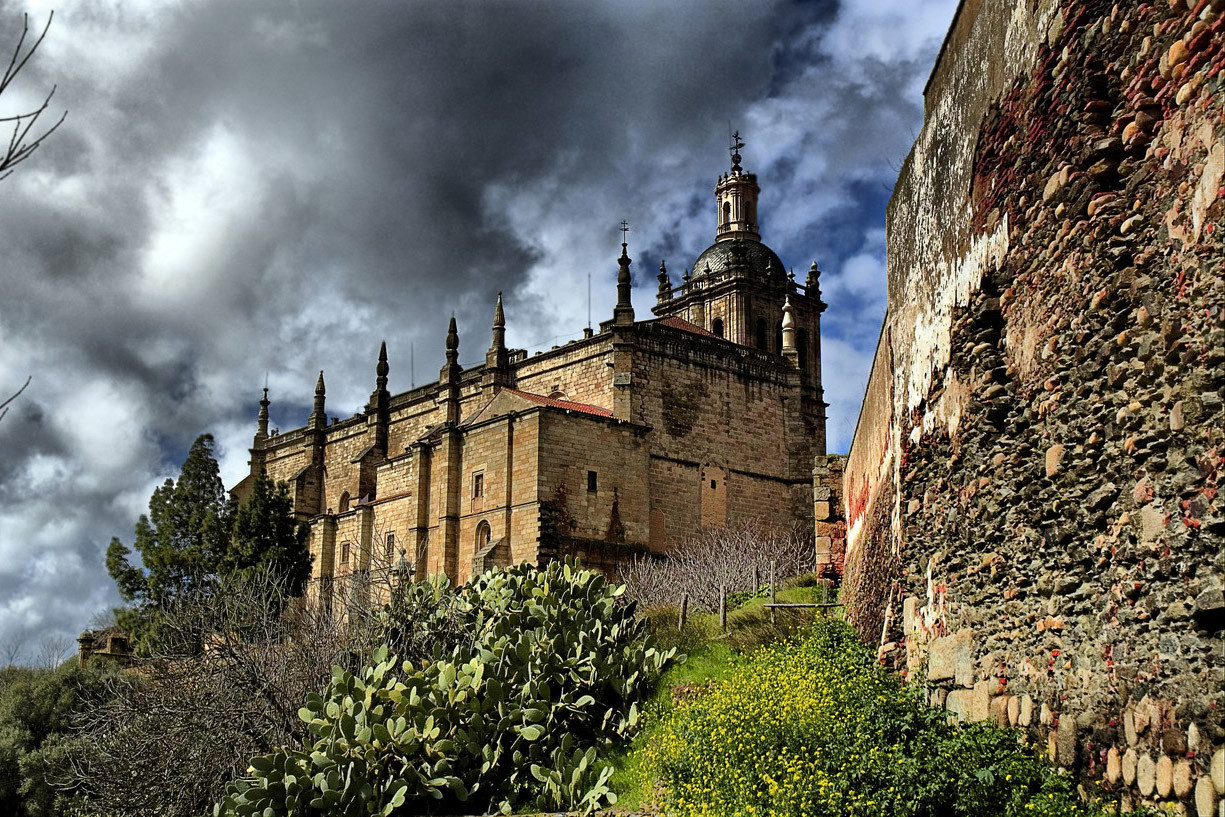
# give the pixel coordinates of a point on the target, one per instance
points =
(722, 256)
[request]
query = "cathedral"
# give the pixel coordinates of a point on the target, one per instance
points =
(621, 442)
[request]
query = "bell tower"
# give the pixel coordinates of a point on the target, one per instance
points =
(738, 290)
(736, 194)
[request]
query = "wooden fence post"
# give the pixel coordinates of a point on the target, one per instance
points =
(680, 621)
(723, 607)
(756, 579)
(773, 588)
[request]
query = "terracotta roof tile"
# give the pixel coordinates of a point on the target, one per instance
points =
(585, 408)
(686, 326)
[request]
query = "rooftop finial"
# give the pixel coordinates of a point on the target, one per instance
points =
(262, 426)
(734, 147)
(665, 282)
(318, 418)
(382, 368)
(789, 349)
(624, 311)
(452, 341)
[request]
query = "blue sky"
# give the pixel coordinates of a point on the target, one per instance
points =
(244, 190)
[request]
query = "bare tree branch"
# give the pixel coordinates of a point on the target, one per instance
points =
(4, 405)
(231, 672)
(725, 556)
(22, 143)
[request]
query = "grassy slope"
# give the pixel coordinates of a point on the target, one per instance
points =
(711, 658)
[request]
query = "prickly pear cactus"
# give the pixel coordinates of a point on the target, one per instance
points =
(518, 714)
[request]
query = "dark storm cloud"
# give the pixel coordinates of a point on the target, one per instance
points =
(244, 189)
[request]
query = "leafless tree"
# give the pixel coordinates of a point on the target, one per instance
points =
(4, 405)
(725, 556)
(226, 686)
(24, 140)
(53, 651)
(12, 647)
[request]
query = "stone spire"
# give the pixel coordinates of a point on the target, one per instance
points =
(665, 284)
(378, 411)
(499, 325)
(623, 314)
(497, 359)
(448, 377)
(452, 343)
(261, 428)
(789, 350)
(381, 369)
(736, 194)
(319, 418)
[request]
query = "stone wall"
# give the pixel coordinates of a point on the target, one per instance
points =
(1035, 526)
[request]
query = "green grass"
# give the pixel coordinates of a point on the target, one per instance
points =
(711, 657)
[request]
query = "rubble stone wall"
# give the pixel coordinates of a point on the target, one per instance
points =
(1041, 541)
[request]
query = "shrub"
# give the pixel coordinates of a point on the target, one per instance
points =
(36, 731)
(819, 728)
(551, 676)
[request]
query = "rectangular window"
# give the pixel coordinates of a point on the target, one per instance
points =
(344, 553)
(390, 549)
(591, 481)
(478, 485)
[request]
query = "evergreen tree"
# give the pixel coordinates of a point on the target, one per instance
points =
(181, 542)
(265, 534)
(192, 535)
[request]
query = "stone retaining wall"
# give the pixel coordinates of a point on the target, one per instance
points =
(1035, 526)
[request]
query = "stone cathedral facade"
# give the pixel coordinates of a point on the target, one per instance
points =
(618, 443)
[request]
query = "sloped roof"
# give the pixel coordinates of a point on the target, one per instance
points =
(685, 326)
(584, 408)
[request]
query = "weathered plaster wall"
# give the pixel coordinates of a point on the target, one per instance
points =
(1034, 525)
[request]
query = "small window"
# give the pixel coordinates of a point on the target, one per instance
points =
(727, 212)
(592, 483)
(389, 550)
(716, 326)
(761, 334)
(483, 534)
(344, 502)
(478, 485)
(713, 484)
(344, 553)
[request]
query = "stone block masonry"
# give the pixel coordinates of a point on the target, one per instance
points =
(1034, 529)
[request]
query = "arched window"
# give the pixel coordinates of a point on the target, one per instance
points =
(761, 335)
(558, 394)
(344, 502)
(716, 326)
(751, 213)
(778, 337)
(727, 213)
(483, 534)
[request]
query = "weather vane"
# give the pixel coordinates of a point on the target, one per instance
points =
(625, 228)
(734, 147)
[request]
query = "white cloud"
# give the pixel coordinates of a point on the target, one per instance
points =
(238, 192)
